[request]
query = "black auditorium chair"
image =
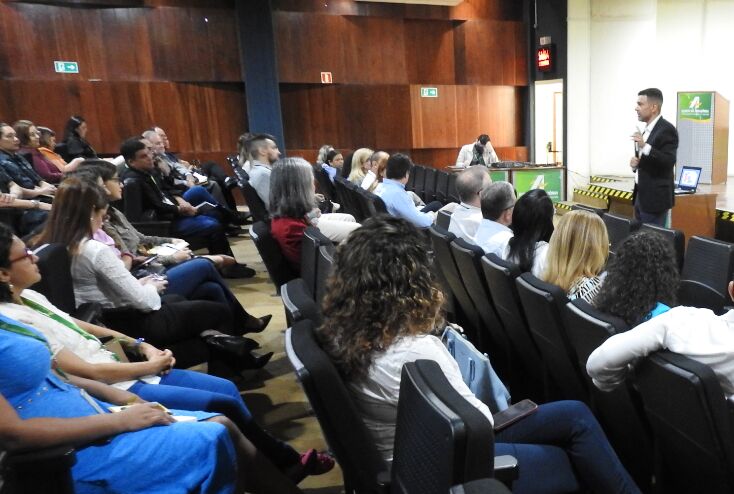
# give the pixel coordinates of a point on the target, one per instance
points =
(256, 205)
(543, 304)
(410, 184)
(443, 219)
(313, 239)
(323, 270)
(419, 181)
(591, 209)
(676, 238)
(429, 184)
(278, 267)
(57, 285)
(442, 186)
(453, 195)
(528, 375)
(481, 486)
(468, 317)
(618, 228)
(707, 270)
(367, 203)
(46, 471)
(299, 302)
(441, 439)
(692, 422)
(619, 411)
(325, 185)
(354, 207)
(493, 339)
(363, 468)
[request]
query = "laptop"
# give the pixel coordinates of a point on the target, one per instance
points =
(688, 180)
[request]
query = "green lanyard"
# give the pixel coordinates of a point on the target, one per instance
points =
(65, 322)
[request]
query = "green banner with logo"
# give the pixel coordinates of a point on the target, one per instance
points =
(694, 106)
(549, 180)
(499, 175)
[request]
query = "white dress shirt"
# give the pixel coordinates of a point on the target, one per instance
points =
(492, 237)
(466, 154)
(465, 221)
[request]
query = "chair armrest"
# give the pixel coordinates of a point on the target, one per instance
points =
(506, 469)
(43, 460)
(89, 312)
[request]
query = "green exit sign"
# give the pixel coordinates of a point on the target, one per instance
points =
(429, 92)
(66, 67)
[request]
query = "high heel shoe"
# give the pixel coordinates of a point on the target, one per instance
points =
(250, 361)
(257, 325)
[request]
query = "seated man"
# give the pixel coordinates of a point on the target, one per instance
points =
(467, 215)
(479, 152)
(264, 153)
(497, 202)
(17, 168)
(396, 199)
(187, 221)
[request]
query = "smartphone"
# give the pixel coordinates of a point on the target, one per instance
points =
(515, 412)
(147, 261)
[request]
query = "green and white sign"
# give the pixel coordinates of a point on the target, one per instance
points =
(549, 180)
(429, 92)
(499, 175)
(694, 106)
(66, 67)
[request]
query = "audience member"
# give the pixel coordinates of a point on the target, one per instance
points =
(359, 165)
(386, 267)
(321, 154)
(264, 153)
(17, 168)
(532, 226)
(294, 208)
(243, 153)
(30, 142)
(333, 164)
(468, 214)
(41, 408)
(479, 152)
(47, 141)
(577, 253)
(497, 203)
(373, 178)
(75, 139)
(642, 279)
(396, 199)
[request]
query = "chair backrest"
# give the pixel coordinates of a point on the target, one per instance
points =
(299, 302)
(440, 241)
(441, 439)
(340, 421)
(443, 219)
(325, 264)
(56, 283)
(429, 184)
(419, 181)
(584, 207)
(377, 202)
(442, 186)
(453, 195)
(354, 205)
(528, 371)
(618, 228)
(278, 267)
(365, 203)
(256, 205)
(492, 338)
(709, 261)
(132, 196)
(691, 419)
(313, 239)
(62, 150)
(696, 294)
(676, 238)
(324, 184)
(543, 304)
(481, 486)
(619, 410)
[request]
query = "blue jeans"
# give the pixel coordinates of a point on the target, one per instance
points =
(561, 438)
(188, 390)
(209, 225)
(651, 218)
(198, 279)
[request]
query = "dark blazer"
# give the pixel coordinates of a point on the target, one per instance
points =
(655, 173)
(144, 197)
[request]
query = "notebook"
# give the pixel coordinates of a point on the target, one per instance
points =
(688, 180)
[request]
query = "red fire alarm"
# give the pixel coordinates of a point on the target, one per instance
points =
(544, 60)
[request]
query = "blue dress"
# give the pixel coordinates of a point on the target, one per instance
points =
(176, 459)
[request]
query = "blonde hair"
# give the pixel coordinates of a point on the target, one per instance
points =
(578, 247)
(359, 158)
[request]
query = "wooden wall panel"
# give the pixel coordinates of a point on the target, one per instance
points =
(140, 44)
(489, 51)
(441, 158)
(429, 52)
(434, 119)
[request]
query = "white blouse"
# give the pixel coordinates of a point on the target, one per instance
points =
(99, 276)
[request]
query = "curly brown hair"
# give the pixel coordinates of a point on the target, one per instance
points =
(382, 288)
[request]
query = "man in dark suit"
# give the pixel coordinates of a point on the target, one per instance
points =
(654, 161)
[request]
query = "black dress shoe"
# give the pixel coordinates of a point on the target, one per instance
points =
(236, 345)
(238, 271)
(260, 324)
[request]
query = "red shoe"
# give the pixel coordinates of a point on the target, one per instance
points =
(315, 463)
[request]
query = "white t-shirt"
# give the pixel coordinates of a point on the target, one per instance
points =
(465, 220)
(541, 253)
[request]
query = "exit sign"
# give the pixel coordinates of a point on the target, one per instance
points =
(66, 67)
(429, 92)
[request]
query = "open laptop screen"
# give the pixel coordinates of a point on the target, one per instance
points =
(689, 176)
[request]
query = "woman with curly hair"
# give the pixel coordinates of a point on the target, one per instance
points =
(642, 279)
(381, 308)
(532, 226)
(577, 253)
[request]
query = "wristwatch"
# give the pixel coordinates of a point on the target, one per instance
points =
(36, 204)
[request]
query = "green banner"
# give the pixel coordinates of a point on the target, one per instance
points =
(549, 180)
(694, 106)
(499, 175)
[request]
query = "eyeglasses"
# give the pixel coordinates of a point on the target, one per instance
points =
(28, 254)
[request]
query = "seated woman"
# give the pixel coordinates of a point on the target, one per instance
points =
(293, 208)
(75, 139)
(642, 279)
(358, 170)
(99, 276)
(577, 253)
(30, 142)
(40, 408)
(195, 279)
(333, 163)
(47, 144)
(77, 349)
(532, 226)
(384, 267)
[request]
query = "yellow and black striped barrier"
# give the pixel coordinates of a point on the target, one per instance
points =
(725, 215)
(563, 205)
(606, 191)
(601, 180)
(591, 193)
